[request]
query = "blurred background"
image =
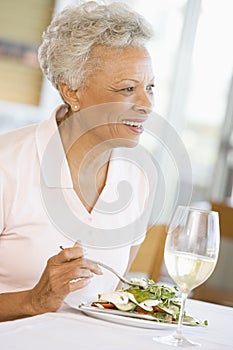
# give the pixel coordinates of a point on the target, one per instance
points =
(193, 63)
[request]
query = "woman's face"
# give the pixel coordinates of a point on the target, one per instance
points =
(125, 76)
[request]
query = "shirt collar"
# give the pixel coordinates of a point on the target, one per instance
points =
(53, 163)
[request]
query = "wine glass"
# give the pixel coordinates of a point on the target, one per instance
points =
(190, 255)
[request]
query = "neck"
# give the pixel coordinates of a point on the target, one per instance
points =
(88, 159)
(81, 144)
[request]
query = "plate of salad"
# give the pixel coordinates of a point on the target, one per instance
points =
(152, 307)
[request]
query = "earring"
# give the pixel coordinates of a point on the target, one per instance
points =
(75, 107)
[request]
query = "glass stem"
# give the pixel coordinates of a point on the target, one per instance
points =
(178, 333)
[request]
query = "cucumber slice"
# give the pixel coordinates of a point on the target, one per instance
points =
(125, 307)
(117, 297)
(150, 302)
(171, 310)
(141, 305)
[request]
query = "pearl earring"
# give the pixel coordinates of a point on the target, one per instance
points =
(75, 107)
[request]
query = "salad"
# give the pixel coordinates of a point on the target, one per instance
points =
(161, 302)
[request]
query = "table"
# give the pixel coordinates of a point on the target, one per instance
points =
(69, 329)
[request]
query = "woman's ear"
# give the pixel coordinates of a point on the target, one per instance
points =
(69, 96)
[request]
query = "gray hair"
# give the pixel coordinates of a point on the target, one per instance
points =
(69, 39)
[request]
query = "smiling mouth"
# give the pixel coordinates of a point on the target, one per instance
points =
(132, 123)
(134, 126)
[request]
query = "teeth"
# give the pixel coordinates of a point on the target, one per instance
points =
(136, 124)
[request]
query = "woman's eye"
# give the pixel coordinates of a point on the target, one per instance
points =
(150, 88)
(129, 89)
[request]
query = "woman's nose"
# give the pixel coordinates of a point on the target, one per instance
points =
(143, 103)
(142, 109)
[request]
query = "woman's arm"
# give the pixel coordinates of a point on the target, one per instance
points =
(55, 283)
(15, 305)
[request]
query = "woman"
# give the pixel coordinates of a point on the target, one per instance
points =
(58, 177)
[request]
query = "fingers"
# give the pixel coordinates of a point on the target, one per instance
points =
(65, 272)
(88, 264)
(72, 269)
(76, 253)
(82, 268)
(84, 273)
(79, 273)
(69, 254)
(74, 263)
(76, 279)
(78, 284)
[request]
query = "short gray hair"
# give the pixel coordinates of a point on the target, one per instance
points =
(70, 37)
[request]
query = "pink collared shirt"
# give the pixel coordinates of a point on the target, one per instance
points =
(39, 209)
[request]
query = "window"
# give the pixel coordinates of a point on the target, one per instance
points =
(208, 92)
(21, 26)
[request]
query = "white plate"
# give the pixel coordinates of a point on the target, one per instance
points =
(125, 318)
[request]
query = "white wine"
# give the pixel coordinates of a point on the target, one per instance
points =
(193, 235)
(188, 270)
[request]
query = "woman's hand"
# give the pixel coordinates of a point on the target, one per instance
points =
(64, 273)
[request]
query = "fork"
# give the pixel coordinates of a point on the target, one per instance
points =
(121, 278)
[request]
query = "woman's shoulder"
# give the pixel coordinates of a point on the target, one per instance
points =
(13, 141)
(11, 137)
